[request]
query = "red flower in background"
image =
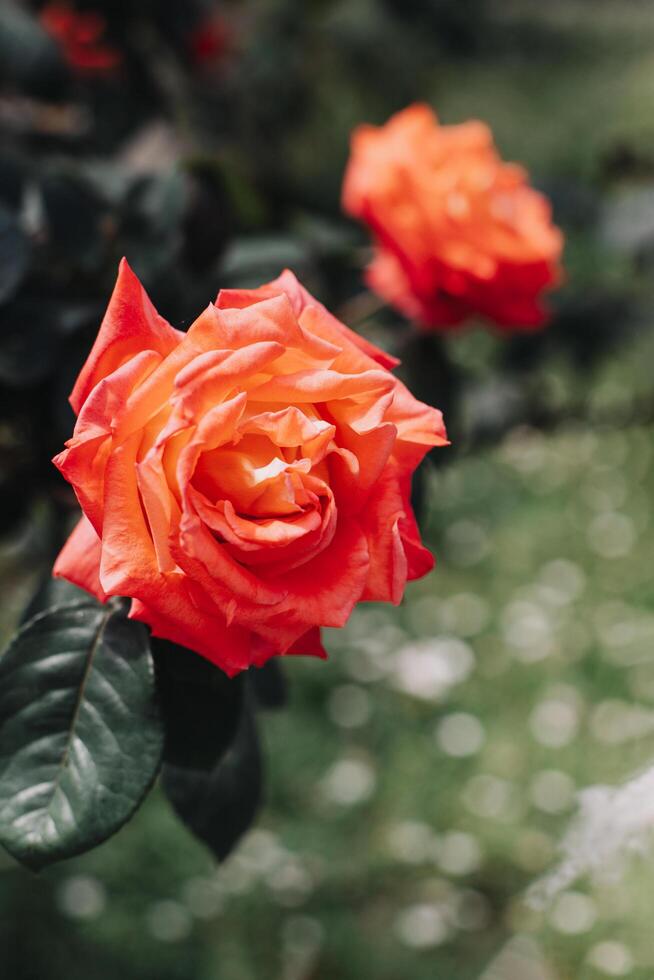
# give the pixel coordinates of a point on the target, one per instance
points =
(209, 41)
(457, 231)
(79, 35)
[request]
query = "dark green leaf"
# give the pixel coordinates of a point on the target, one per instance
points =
(29, 345)
(201, 706)
(53, 592)
(150, 231)
(207, 222)
(269, 684)
(14, 173)
(419, 489)
(14, 255)
(15, 500)
(219, 803)
(250, 261)
(28, 57)
(74, 216)
(80, 731)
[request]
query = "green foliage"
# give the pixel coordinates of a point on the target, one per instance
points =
(544, 544)
(217, 798)
(13, 254)
(85, 726)
(80, 733)
(212, 766)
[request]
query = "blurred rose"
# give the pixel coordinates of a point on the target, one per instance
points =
(458, 233)
(80, 36)
(209, 41)
(247, 482)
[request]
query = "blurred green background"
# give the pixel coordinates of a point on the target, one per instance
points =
(423, 778)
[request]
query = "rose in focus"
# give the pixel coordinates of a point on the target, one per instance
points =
(457, 231)
(247, 482)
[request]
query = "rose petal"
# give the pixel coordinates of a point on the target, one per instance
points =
(173, 616)
(322, 386)
(380, 521)
(309, 644)
(79, 559)
(130, 325)
(328, 327)
(83, 463)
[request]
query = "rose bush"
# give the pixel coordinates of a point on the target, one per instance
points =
(457, 231)
(247, 482)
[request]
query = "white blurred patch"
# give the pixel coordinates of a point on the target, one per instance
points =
(421, 926)
(349, 706)
(82, 897)
(528, 630)
(520, 959)
(261, 853)
(488, 796)
(291, 883)
(611, 535)
(467, 543)
(554, 722)
(612, 823)
(464, 614)
(374, 640)
(348, 782)
(460, 734)
(459, 853)
(428, 669)
(625, 633)
(612, 958)
(525, 450)
(169, 922)
(411, 841)
(573, 913)
(614, 721)
(564, 578)
(627, 222)
(552, 791)
(203, 897)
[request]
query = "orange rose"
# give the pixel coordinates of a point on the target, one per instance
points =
(247, 482)
(457, 231)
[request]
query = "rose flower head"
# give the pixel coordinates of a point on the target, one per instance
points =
(458, 232)
(247, 482)
(80, 36)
